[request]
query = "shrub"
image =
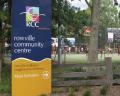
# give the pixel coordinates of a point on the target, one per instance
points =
(87, 93)
(71, 92)
(103, 91)
(43, 95)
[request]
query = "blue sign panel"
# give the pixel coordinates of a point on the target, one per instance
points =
(31, 29)
(31, 45)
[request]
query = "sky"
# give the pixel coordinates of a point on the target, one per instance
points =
(118, 1)
(82, 4)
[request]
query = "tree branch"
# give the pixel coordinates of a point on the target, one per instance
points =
(89, 5)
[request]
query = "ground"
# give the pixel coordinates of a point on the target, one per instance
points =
(94, 91)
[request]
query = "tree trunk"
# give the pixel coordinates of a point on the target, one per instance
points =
(9, 10)
(93, 44)
(0, 49)
(1, 45)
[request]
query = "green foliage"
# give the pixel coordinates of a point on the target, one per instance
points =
(109, 14)
(3, 15)
(57, 90)
(108, 18)
(103, 91)
(79, 69)
(71, 92)
(43, 95)
(87, 93)
(75, 19)
(71, 17)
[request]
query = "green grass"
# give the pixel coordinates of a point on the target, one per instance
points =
(75, 58)
(82, 58)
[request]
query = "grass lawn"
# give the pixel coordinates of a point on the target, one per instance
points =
(82, 58)
(75, 58)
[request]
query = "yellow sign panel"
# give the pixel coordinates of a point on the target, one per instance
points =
(31, 78)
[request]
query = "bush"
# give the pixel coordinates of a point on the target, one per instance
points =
(87, 93)
(71, 92)
(43, 95)
(103, 91)
(77, 69)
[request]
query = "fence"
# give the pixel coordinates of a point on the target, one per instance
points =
(86, 74)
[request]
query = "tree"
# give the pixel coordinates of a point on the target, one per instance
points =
(108, 14)
(71, 17)
(1, 37)
(103, 15)
(4, 22)
(0, 48)
(95, 18)
(109, 18)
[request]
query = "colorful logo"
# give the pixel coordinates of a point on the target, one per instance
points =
(32, 14)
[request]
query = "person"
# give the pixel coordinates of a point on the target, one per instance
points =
(118, 50)
(101, 52)
(53, 47)
(110, 50)
(69, 49)
(82, 49)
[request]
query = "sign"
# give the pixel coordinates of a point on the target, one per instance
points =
(31, 47)
(110, 37)
(115, 33)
